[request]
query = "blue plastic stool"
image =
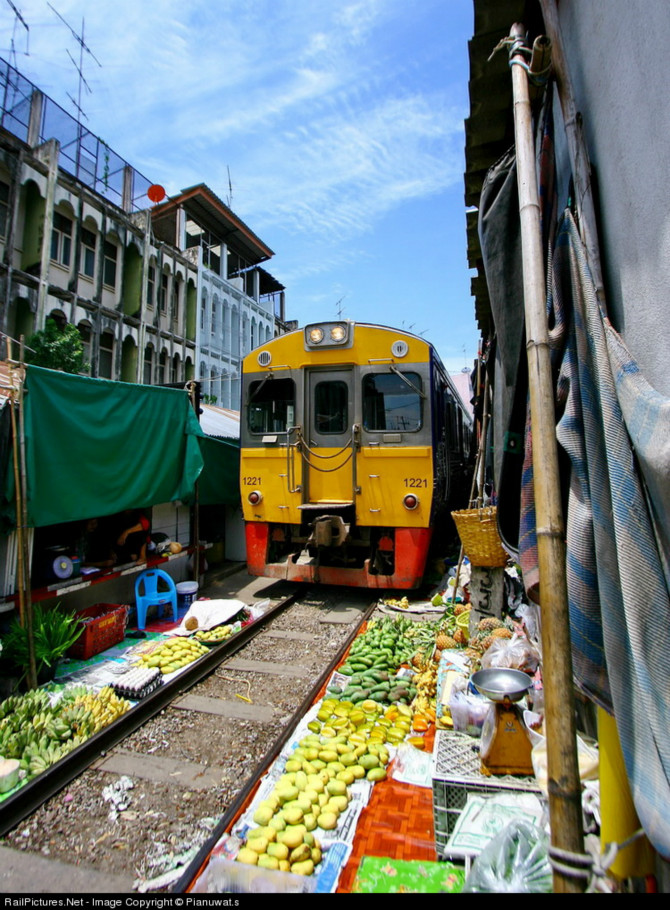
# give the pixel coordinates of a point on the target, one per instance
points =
(148, 580)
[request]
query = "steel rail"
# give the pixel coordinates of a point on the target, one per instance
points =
(190, 872)
(45, 785)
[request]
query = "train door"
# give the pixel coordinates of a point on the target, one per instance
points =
(328, 446)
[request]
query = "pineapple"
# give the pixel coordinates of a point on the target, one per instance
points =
(444, 642)
(460, 637)
(461, 608)
(501, 633)
(490, 623)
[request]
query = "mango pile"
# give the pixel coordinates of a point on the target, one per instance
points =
(346, 745)
(218, 633)
(173, 654)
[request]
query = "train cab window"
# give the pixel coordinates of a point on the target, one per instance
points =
(271, 407)
(392, 402)
(330, 407)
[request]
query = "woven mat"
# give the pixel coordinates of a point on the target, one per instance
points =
(397, 823)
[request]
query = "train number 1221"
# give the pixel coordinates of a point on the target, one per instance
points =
(415, 482)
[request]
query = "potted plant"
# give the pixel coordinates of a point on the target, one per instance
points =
(54, 631)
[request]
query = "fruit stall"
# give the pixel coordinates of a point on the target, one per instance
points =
(381, 785)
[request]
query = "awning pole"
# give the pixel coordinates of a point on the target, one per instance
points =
(563, 772)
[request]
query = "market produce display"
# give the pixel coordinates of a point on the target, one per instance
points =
(217, 634)
(173, 654)
(314, 790)
(38, 731)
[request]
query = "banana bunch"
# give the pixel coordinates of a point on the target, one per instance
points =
(426, 681)
(40, 755)
(78, 718)
(38, 733)
(101, 709)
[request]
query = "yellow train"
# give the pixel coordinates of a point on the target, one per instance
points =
(354, 446)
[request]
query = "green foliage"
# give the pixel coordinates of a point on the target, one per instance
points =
(54, 631)
(57, 349)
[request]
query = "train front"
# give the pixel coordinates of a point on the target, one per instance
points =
(338, 459)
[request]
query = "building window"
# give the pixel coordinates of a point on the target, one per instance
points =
(61, 239)
(148, 364)
(162, 367)
(109, 268)
(151, 287)
(213, 317)
(106, 356)
(176, 288)
(164, 292)
(85, 335)
(4, 208)
(88, 241)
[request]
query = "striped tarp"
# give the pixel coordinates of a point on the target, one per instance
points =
(615, 430)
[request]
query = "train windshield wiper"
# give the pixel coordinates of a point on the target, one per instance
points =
(394, 369)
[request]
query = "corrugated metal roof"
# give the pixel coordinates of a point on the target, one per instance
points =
(221, 422)
(489, 130)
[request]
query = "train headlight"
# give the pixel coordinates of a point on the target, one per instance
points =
(255, 497)
(411, 502)
(329, 335)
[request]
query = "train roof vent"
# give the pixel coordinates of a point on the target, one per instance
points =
(399, 348)
(264, 358)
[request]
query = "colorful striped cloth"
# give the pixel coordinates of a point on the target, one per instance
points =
(615, 430)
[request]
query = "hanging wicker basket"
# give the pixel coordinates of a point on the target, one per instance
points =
(478, 530)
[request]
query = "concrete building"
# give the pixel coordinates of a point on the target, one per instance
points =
(240, 304)
(77, 245)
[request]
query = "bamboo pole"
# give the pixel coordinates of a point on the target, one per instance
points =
(28, 605)
(563, 772)
(17, 488)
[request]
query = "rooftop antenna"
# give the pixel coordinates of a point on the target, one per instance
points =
(18, 18)
(229, 200)
(339, 307)
(80, 67)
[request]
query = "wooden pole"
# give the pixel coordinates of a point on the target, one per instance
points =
(563, 771)
(196, 501)
(17, 489)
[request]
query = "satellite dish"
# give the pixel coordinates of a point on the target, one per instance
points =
(156, 193)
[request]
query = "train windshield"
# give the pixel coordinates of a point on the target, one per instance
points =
(392, 402)
(271, 407)
(330, 407)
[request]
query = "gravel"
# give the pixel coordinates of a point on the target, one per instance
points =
(151, 829)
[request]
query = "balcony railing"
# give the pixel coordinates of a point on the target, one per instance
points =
(82, 154)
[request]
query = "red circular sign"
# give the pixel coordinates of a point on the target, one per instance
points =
(156, 192)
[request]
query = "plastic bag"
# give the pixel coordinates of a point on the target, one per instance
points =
(588, 761)
(514, 862)
(515, 653)
(468, 712)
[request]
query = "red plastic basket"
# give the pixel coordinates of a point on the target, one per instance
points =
(104, 627)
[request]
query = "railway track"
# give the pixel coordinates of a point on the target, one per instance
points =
(135, 806)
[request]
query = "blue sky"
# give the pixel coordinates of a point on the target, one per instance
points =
(340, 123)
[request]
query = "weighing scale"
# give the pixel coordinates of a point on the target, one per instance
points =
(505, 743)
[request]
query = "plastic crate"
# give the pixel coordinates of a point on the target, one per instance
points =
(104, 627)
(456, 771)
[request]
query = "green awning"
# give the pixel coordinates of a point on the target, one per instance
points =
(219, 483)
(95, 447)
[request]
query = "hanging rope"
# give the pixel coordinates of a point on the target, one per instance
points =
(517, 46)
(589, 867)
(334, 454)
(327, 470)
